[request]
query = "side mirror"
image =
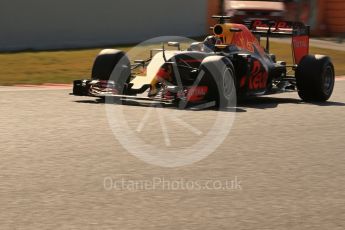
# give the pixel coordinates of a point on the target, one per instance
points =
(140, 62)
(175, 44)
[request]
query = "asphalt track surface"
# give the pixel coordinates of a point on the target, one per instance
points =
(286, 157)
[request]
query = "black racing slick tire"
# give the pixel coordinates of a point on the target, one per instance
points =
(315, 78)
(219, 75)
(112, 65)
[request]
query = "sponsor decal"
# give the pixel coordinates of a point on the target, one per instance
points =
(196, 93)
(300, 46)
(259, 76)
(276, 25)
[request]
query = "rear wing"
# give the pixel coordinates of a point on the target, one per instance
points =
(279, 28)
(299, 32)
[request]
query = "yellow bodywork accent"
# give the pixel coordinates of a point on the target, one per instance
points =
(227, 35)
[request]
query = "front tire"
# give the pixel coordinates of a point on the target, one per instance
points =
(112, 65)
(221, 79)
(315, 78)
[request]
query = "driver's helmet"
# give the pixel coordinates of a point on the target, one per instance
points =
(210, 42)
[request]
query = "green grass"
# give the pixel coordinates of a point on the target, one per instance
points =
(66, 66)
(283, 53)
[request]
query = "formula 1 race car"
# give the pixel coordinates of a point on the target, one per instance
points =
(228, 65)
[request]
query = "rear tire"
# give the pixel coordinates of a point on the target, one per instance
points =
(315, 78)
